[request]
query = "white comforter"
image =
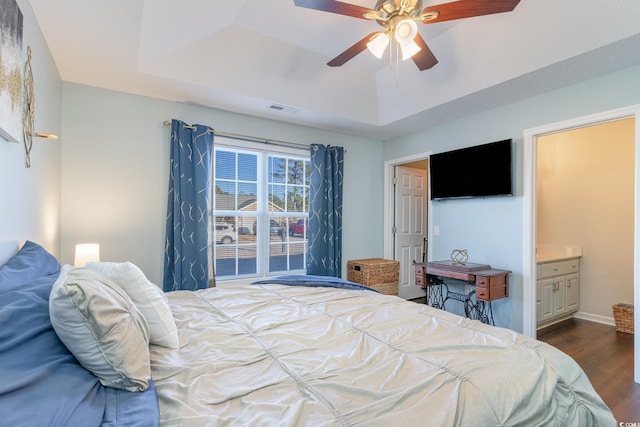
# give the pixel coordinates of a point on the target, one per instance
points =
(274, 355)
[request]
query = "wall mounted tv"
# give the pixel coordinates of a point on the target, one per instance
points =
(479, 171)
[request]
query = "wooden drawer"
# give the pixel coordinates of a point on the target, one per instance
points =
(491, 281)
(482, 294)
(420, 280)
(490, 294)
(557, 268)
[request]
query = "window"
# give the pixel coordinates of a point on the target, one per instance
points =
(259, 211)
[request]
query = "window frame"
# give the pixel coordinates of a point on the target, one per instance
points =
(262, 213)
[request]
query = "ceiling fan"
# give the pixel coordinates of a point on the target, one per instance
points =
(398, 19)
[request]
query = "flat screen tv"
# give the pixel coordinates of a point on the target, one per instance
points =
(479, 171)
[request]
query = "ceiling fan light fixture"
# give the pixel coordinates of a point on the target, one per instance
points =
(398, 18)
(406, 31)
(409, 49)
(378, 44)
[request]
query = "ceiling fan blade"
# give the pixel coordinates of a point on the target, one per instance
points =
(351, 52)
(336, 7)
(424, 59)
(467, 9)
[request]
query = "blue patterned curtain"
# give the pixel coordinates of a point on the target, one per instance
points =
(187, 240)
(325, 211)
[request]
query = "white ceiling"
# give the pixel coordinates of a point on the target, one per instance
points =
(245, 55)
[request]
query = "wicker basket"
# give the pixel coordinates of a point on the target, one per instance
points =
(623, 315)
(377, 273)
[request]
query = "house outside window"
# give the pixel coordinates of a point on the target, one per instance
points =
(259, 210)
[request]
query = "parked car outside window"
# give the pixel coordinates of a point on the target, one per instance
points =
(226, 233)
(244, 230)
(275, 228)
(297, 227)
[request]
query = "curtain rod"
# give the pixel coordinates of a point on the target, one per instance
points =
(248, 137)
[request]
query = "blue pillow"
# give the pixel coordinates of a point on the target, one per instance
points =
(42, 383)
(131, 409)
(31, 262)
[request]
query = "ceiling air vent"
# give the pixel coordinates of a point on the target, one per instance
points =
(283, 108)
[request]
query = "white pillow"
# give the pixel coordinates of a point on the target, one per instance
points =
(100, 325)
(148, 298)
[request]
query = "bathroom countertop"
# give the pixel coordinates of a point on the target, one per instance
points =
(549, 258)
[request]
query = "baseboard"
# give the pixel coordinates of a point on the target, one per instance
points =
(595, 318)
(580, 315)
(553, 322)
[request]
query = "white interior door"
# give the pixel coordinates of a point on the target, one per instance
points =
(410, 226)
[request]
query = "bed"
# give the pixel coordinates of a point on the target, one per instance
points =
(291, 351)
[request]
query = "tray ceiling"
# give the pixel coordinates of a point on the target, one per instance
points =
(248, 55)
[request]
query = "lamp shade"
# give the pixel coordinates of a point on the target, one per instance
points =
(378, 44)
(406, 31)
(405, 34)
(86, 252)
(409, 49)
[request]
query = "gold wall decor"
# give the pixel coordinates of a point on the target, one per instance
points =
(10, 70)
(28, 113)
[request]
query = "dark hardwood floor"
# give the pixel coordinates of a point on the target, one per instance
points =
(606, 356)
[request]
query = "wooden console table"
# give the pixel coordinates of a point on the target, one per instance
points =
(489, 284)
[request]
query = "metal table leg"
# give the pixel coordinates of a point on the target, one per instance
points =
(436, 288)
(478, 310)
(438, 293)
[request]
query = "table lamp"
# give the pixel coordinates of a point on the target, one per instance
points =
(86, 252)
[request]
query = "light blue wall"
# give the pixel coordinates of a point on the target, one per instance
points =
(107, 175)
(115, 174)
(30, 208)
(492, 229)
